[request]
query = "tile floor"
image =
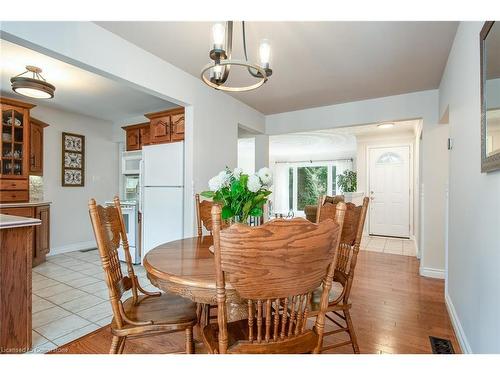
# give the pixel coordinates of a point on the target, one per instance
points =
(70, 297)
(388, 245)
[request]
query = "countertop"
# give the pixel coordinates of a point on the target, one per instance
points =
(25, 204)
(11, 221)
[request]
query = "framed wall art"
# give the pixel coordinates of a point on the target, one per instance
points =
(73, 159)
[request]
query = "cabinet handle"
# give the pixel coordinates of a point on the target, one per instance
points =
(32, 160)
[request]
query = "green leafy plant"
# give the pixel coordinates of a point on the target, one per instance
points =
(240, 195)
(347, 181)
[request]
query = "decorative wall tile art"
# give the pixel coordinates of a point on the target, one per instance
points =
(73, 159)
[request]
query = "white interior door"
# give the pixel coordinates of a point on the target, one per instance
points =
(389, 187)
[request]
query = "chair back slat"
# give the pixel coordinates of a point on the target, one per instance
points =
(276, 267)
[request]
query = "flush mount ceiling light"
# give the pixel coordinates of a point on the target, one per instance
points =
(385, 125)
(35, 86)
(219, 69)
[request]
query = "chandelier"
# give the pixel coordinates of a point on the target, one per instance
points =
(35, 86)
(220, 67)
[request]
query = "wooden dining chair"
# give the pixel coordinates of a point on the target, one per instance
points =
(332, 200)
(338, 311)
(203, 214)
(145, 314)
(204, 219)
(275, 267)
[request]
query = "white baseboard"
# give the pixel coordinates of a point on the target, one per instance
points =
(435, 273)
(73, 247)
(457, 326)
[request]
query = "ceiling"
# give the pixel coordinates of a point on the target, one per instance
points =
(314, 63)
(330, 144)
(77, 90)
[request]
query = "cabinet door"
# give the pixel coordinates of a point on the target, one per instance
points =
(42, 235)
(177, 126)
(160, 130)
(133, 139)
(14, 143)
(144, 132)
(36, 149)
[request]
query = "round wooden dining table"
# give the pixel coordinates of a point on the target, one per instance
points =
(186, 267)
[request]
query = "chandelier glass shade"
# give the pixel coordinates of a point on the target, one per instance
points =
(33, 87)
(216, 73)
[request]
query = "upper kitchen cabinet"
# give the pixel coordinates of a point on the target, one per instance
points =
(177, 126)
(137, 136)
(14, 150)
(36, 146)
(166, 126)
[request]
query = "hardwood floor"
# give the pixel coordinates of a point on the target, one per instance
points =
(394, 311)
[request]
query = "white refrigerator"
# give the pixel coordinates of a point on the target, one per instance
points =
(163, 194)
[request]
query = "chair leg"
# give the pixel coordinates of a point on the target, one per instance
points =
(352, 334)
(189, 341)
(115, 345)
(122, 344)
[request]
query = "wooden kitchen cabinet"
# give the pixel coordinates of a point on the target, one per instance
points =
(15, 281)
(166, 126)
(136, 136)
(14, 150)
(36, 146)
(159, 130)
(41, 234)
(177, 126)
(163, 127)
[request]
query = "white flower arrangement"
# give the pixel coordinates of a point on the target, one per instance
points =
(239, 194)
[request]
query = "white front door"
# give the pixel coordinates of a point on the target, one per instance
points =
(389, 189)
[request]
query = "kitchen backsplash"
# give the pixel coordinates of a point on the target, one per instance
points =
(36, 188)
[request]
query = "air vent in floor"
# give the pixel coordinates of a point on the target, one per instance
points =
(441, 346)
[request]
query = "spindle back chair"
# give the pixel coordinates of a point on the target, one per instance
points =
(275, 267)
(157, 309)
(350, 240)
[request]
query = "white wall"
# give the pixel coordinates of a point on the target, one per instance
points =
(422, 104)
(212, 117)
(473, 287)
(418, 105)
(70, 227)
(261, 151)
(246, 154)
(435, 161)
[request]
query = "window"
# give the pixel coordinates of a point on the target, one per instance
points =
(334, 180)
(300, 184)
(389, 158)
(311, 183)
